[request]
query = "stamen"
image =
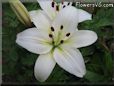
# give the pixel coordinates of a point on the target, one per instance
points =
(53, 42)
(68, 34)
(50, 35)
(73, 4)
(52, 4)
(64, 6)
(57, 8)
(62, 41)
(61, 27)
(68, 3)
(52, 29)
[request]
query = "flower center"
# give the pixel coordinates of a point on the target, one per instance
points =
(56, 41)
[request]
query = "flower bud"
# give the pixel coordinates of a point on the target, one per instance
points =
(21, 12)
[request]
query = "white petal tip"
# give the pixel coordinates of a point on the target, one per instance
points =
(95, 37)
(83, 15)
(17, 39)
(43, 67)
(39, 78)
(80, 75)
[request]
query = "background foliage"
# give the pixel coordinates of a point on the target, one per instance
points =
(18, 63)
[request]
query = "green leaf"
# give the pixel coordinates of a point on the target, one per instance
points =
(13, 55)
(31, 6)
(108, 62)
(94, 77)
(87, 50)
(57, 75)
(29, 60)
(103, 17)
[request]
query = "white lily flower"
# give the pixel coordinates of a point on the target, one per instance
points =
(57, 41)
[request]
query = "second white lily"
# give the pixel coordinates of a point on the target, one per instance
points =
(57, 42)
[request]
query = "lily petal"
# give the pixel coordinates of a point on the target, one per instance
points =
(70, 60)
(47, 7)
(34, 41)
(65, 4)
(67, 18)
(83, 15)
(44, 66)
(40, 19)
(82, 38)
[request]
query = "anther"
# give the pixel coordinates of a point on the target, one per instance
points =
(62, 2)
(52, 4)
(73, 4)
(50, 35)
(68, 34)
(68, 3)
(64, 6)
(57, 8)
(52, 28)
(62, 41)
(61, 27)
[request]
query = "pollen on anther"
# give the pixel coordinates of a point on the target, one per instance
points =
(50, 35)
(68, 3)
(52, 4)
(64, 6)
(57, 8)
(68, 34)
(73, 4)
(62, 41)
(61, 27)
(52, 28)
